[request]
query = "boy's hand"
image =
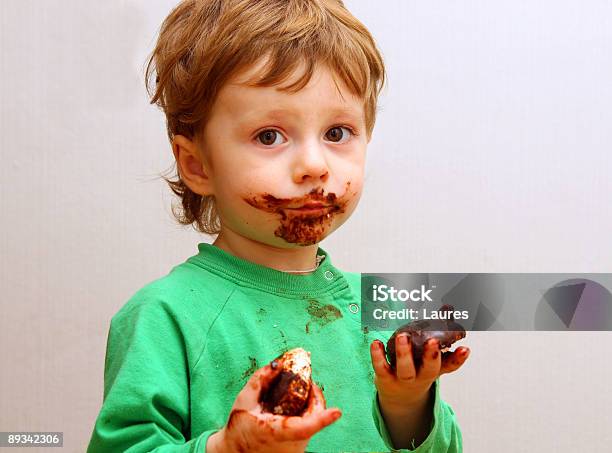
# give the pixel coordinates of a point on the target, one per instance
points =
(406, 402)
(407, 387)
(251, 429)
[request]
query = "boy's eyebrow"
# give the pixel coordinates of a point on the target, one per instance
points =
(281, 113)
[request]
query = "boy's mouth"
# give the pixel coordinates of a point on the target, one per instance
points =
(310, 205)
(312, 209)
(304, 220)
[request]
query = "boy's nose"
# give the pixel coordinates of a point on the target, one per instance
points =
(310, 164)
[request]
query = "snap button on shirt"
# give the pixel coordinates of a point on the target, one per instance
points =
(328, 275)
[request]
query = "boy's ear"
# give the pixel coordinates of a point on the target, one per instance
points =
(193, 170)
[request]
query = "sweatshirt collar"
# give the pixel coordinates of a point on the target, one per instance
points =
(326, 279)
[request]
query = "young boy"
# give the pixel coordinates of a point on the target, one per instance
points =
(270, 105)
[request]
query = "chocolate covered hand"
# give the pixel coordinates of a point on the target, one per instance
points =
(416, 358)
(404, 383)
(251, 428)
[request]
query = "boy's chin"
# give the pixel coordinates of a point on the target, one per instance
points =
(299, 239)
(294, 234)
(284, 244)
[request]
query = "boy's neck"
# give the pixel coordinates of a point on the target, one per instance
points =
(299, 258)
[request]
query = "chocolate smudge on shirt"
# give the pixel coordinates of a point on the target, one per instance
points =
(261, 313)
(322, 314)
(251, 369)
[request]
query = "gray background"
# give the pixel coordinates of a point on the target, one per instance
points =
(491, 154)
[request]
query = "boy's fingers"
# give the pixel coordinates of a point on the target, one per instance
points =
(431, 359)
(302, 428)
(379, 361)
(452, 361)
(404, 361)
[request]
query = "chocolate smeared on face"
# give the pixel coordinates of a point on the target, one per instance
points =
(302, 227)
(446, 331)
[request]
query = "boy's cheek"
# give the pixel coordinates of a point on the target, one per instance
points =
(353, 195)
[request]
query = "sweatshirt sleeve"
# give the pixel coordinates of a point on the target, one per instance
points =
(146, 386)
(444, 437)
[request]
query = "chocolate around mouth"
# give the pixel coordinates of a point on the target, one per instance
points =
(302, 227)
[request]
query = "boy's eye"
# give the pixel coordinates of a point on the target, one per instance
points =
(268, 137)
(335, 134)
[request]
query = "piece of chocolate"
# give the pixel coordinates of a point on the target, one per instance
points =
(288, 393)
(446, 331)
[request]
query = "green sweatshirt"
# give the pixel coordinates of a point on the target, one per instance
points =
(180, 350)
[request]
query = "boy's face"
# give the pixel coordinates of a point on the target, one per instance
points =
(271, 152)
